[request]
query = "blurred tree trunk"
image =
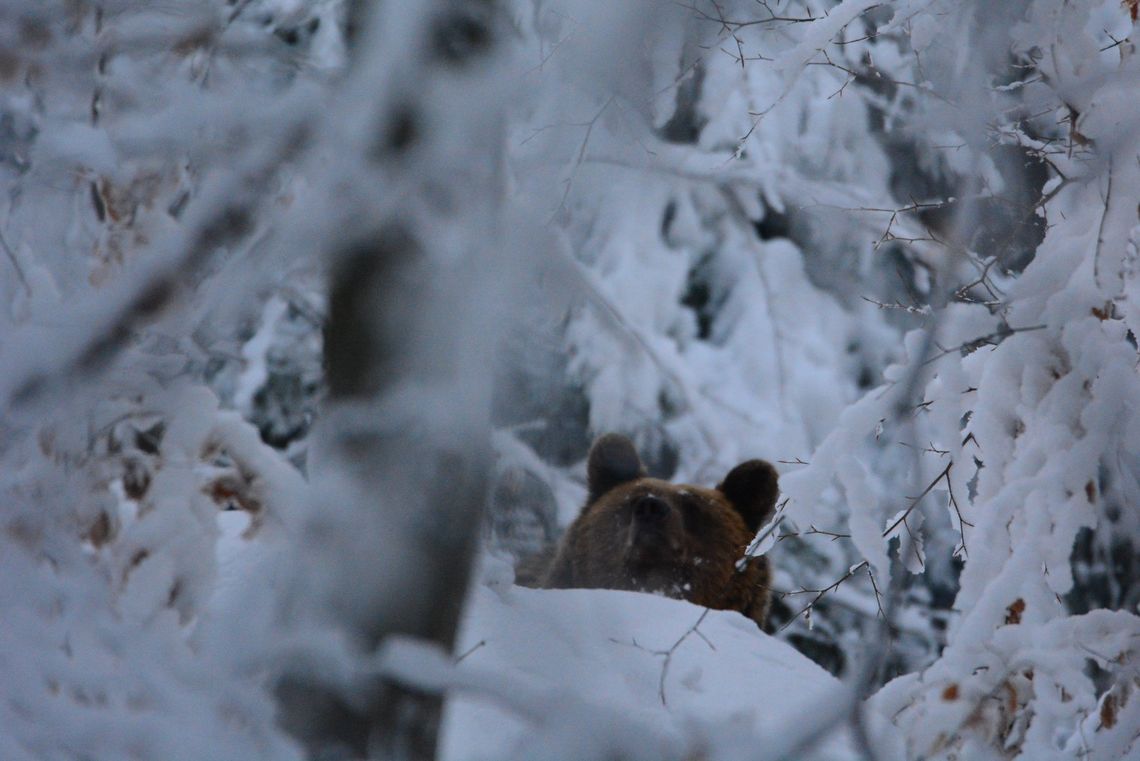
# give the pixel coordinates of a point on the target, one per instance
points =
(407, 429)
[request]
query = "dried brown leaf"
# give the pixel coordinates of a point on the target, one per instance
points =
(1108, 711)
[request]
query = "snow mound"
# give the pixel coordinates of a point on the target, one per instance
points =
(574, 674)
(666, 667)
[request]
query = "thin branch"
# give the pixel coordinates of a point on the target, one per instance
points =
(813, 531)
(1115, 43)
(1103, 221)
(216, 38)
(820, 593)
(11, 254)
(929, 448)
(870, 671)
(930, 487)
(924, 311)
(460, 658)
(992, 339)
(734, 25)
(668, 654)
(962, 522)
(581, 155)
(878, 596)
(758, 116)
(873, 73)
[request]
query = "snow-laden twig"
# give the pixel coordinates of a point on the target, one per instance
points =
(923, 311)
(991, 339)
(230, 217)
(740, 215)
(614, 319)
(793, 62)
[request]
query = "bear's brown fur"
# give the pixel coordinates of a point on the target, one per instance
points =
(683, 541)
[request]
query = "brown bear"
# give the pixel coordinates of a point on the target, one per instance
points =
(646, 534)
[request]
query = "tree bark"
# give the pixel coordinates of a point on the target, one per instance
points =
(406, 429)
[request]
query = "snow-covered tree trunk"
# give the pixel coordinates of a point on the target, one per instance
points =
(401, 470)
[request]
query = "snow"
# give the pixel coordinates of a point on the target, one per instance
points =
(576, 673)
(608, 647)
(728, 235)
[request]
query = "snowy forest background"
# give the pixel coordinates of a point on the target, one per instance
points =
(291, 286)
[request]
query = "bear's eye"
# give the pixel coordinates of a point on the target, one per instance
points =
(693, 511)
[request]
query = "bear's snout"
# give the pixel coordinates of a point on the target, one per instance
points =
(650, 509)
(656, 532)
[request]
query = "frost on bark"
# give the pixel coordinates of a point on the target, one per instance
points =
(404, 449)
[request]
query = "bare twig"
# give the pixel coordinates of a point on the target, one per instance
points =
(758, 116)
(736, 25)
(11, 254)
(902, 518)
(876, 74)
(820, 593)
(923, 310)
(929, 448)
(962, 522)
(914, 206)
(460, 658)
(1115, 42)
(1102, 225)
(992, 339)
(589, 125)
(813, 531)
(216, 38)
(878, 596)
(669, 652)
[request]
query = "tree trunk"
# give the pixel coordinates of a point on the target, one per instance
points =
(406, 429)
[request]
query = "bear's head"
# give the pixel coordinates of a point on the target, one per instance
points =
(650, 535)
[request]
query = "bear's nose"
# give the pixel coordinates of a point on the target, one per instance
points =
(650, 508)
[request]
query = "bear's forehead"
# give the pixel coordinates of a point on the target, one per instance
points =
(660, 488)
(720, 520)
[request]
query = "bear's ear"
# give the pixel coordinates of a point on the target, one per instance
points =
(752, 489)
(613, 461)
